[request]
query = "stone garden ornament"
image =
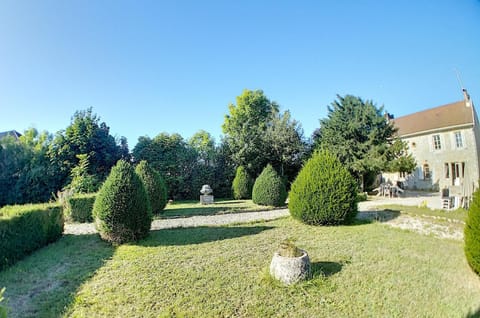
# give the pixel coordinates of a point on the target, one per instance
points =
(206, 197)
(290, 264)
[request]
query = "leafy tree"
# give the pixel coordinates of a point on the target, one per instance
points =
(399, 159)
(204, 144)
(245, 127)
(82, 180)
(26, 175)
(356, 132)
(86, 135)
(172, 158)
(269, 188)
(284, 142)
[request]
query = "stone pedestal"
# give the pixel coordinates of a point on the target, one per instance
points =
(206, 199)
(290, 270)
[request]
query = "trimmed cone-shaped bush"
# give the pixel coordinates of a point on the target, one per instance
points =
(269, 188)
(242, 184)
(324, 192)
(472, 234)
(154, 185)
(122, 209)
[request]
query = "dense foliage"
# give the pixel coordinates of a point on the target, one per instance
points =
(258, 134)
(242, 184)
(82, 181)
(154, 186)
(472, 234)
(269, 188)
(25, 228)
(78, 207)
(26, 175)
(324, 192)
(86, 135)
(187, 166)
(37, 164)
(357, 132)
(122, 209)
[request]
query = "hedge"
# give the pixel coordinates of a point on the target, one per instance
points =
(78, 208)
(25, 228)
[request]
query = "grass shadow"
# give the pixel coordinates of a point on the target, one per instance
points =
(367, 217)
(325, 269)
(44, 284)
(199, 235)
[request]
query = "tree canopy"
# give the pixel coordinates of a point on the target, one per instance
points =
(258, 134)
(358, 134)
(86, 135)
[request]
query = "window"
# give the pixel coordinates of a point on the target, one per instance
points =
(427, 175)
(447, 170)
(436, 142)
(458, 139)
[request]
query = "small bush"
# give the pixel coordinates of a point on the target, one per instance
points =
(269, 188)
(154, 185)
(122, 210)
(25, 228)
(242, 184)
(472, 234)
(324, 192)
(78, 207)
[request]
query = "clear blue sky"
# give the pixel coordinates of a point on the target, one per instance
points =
(152, 66)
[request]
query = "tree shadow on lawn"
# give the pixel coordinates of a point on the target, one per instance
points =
(199, 235)
(367, 217)
(44, 284)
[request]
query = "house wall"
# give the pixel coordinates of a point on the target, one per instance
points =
(423, 150)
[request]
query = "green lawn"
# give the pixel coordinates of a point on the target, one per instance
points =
(221, 206)
(364, 270)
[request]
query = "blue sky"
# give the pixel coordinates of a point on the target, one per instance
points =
(152, 66)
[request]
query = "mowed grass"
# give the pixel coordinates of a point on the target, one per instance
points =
(221, 206)
(364, 270)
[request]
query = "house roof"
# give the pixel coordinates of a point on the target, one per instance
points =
(15, 134)
(450, 115)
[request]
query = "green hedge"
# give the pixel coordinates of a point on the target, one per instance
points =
(269, 188)
(25, 228)
(78, 208)
(472, 234)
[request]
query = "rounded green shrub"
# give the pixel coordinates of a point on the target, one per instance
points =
(324, 192)
(472, 233)
(122, 209)
(242, 184)
(269, 188)
(154, 185)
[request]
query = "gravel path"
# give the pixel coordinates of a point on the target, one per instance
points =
(426, 225)
(367, 210)
(207, 220)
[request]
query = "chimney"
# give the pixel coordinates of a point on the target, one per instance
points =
(466, 96)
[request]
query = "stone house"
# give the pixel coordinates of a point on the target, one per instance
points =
(445, 142)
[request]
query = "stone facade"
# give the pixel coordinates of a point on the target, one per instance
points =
(445, 142)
